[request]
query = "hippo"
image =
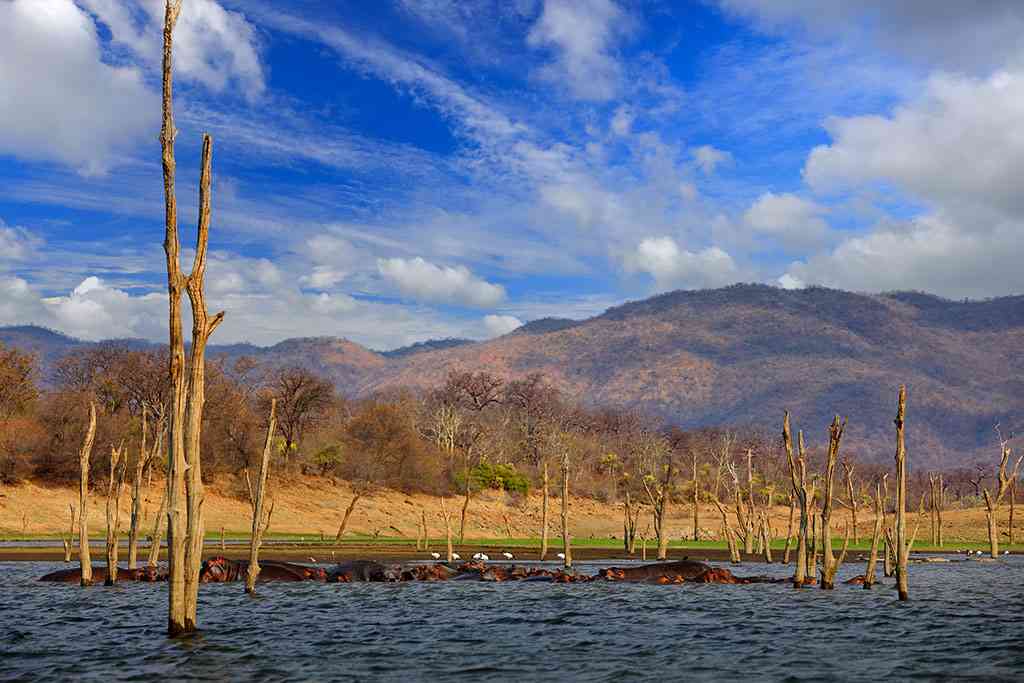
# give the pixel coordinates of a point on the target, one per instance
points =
(99, 575)
(687, 569)
(363, 570)
(222, 570)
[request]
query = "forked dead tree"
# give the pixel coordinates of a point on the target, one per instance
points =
(115, 485)
(1003, 482)
(902, 550)
(84, 559)
(803, 489)
(185, 494)
(876, 536)
(447, 530)
(830, 566)
(566, 537)
(257, 495)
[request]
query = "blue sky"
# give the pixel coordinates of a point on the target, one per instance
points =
(410, 169)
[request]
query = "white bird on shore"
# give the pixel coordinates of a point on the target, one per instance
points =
(313, 560)
(485, 557)
(508, 556)
(1006, 552)
(560, 556)
(476, 556)
(456, 556)
(436, 556)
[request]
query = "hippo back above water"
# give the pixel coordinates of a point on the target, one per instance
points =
(686, 569)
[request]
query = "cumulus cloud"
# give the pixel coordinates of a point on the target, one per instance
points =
(963, 36)
(212, 46)
(788, 219)
(497, 325)
(60, 101)
(421, 280)
(582, 34)
(954, 145)
(673, 267)
(708, 158)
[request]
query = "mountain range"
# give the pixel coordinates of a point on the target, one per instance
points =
(739, 355)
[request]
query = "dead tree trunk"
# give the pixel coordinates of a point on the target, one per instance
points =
(804, 492)
(748, 530)
(544, 511)
(766, 538)
(185, 496)
(730, 541)
(696, 500)
(115, 484)
(902, 582)
(992, 500)
(659, 506)
(1013, 504)
(70, 540)
(426, 532)
(848, 468)
(812, 555)
(447, 530)
(789, 527)
(348, 513)
(566, 538)
(830, 566)
(154, 544)
(465, 509)
(145, 458)
(933, 509)
(869, 574)
(257, 494)
(84, 558)
(628, 522)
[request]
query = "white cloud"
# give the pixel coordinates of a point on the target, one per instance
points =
(951, 35)
(424, 281)
(792, 221)
(59, 100)
(498, 325)
(622, 121)
(672, 267)
(709, 158)
(212, 46)
(789, 281)
(958, 144)
(582, 34)
(17, 244)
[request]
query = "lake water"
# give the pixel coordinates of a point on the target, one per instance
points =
(965, 621)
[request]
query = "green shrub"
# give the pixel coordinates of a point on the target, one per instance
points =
(490, 476)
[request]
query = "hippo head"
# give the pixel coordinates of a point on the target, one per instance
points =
(214, 570)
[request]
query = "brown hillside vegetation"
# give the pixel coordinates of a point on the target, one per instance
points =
(740, 355)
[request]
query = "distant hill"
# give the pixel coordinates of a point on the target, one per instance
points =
(737, 355)
(423, 346)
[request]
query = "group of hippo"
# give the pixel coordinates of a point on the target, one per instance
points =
(223, 570)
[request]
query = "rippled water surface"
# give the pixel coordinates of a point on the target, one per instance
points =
(965, 621)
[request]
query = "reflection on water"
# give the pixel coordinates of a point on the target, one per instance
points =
(964, 621)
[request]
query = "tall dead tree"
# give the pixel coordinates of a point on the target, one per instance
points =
(84, 559)
(70, 540)
(830, 565)
(144, 461)
(115, 485)
(426, 532)
(544, 513)
(257, 494)
(748, 530)
(630, 517)
(1013, 504)
(1003, 482)
(727, 532)
(658, 493)
(356, 495)
(696, 499)
(566, 538)
(851, 492)
(185, 495)
(803, 489)
(936, 489)
(154, 541)
(766, 536)
(447, 530)
(876, 536)
(789, 527)
(902, 551)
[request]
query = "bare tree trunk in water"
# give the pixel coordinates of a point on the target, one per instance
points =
(566, 538)
(812, 555)
(830, 566)
(257, 495)
(1003, 485)
(544, 512)
(348, 513)
(145, 457)
(889, 567)
(447, 529)
(848, 468)
(869, 574)
(643, 547)
(70, 540)
(696, 500)
(804, 492)
(185, 496)
(902, 550)
(84, 559)
(734, 551)
(1013, 504)
(789, 528)
(115, 484)
(154, 544)
(766, 540)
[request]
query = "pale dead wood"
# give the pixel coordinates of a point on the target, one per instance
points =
(84, 559)
(447, 529)
(544, 513)
(115, 485)
(696, 499)
(144, 461)
(257, 494)
(734, 552)
(69, 540)
(426, 532)
(1003, 484)
(830, 566)
(766, 537)
(854, 505)
(803, 489)
(154, 542)
(789, 528)
(902, 550)
(869, 574)
(356, 495)
(566, 537)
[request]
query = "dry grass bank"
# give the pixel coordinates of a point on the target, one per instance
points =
(310, 506)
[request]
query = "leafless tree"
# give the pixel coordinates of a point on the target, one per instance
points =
(902, 550)
(18, 389)
(185, 494)
(144, 461)
(115, 485)
(869, 575)
(1003, 483)
(803, 489)
(83, 498)
(447, 530)
(566, 537)
(830, 564)
(302, 402)
(257, 495)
